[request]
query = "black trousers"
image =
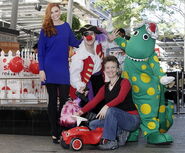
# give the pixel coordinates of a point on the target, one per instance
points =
(55, 92)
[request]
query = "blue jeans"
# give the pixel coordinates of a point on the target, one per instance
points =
(115, 121)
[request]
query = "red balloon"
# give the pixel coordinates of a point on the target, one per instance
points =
(34, 67)
(16, 64)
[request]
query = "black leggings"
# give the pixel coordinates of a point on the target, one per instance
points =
(56, 91)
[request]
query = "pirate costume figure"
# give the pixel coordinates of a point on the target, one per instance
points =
(86, 64)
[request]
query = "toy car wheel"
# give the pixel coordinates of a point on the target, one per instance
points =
(76, 144)
(63, 144)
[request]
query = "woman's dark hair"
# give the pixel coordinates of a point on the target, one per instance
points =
(111, 59)
(122, 30)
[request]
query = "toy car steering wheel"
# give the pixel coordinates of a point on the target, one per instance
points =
(79, 119)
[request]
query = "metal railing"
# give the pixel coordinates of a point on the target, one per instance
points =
(179, 92)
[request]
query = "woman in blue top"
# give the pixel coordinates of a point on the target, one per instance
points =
(55, 38)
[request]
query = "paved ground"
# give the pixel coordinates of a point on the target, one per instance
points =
(42, 144)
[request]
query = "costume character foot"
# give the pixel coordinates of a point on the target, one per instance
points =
(158, 138)
(168, 137)
(133, 136)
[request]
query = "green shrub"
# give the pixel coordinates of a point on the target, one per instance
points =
(75, 21)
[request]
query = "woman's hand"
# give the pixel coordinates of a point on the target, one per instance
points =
(102, 113)
(113, 35)
(42, 75)
(81, 90)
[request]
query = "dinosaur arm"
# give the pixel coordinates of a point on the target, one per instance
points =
(121, 42)
(155, 65)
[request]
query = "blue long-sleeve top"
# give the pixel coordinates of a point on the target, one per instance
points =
(53, 53)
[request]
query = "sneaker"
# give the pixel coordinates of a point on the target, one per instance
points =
(55, 140)
(122, 137)
(103, 141)
(110, 145)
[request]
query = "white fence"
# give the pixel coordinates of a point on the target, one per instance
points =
(19, 80)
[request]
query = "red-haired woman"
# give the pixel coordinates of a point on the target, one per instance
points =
(55, 38)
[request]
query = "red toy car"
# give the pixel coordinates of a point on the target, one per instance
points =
(76, 137)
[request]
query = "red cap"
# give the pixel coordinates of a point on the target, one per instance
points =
(152, 27)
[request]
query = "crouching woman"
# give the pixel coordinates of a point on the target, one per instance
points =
(118, 115)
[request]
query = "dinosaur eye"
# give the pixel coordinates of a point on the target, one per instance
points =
(145, 37)
(136, 33)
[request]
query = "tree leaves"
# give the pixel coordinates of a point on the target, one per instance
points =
(124, 10)
(75, 22)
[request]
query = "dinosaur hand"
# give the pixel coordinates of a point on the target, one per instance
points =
(166, 80)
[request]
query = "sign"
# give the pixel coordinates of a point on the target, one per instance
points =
(6, 46)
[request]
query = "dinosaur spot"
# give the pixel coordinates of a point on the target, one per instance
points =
(152, 65)
(135, 88)
(134, 78)
(145, 133)
(154, 118)
(162, 108)
(161, 70)
(143, 67)
(146, 109)
(151, 125)
(156, 59)
(145, 78)
(123, 44)
(125, 75)
(173, 116)
(151, 91)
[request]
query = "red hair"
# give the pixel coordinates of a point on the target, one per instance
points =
(48, 26)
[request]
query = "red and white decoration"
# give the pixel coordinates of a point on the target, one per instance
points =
(19, 78)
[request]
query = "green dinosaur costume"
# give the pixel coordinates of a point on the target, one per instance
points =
(143, 70)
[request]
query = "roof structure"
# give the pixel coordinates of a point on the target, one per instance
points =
(172, 49)
(29, 22)
(29, 19)
(172, 54)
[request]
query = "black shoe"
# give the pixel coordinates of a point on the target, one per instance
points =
(110, 145)
(55, 140)
(122, 137)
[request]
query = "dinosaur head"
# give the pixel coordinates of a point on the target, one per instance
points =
(141, 45)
